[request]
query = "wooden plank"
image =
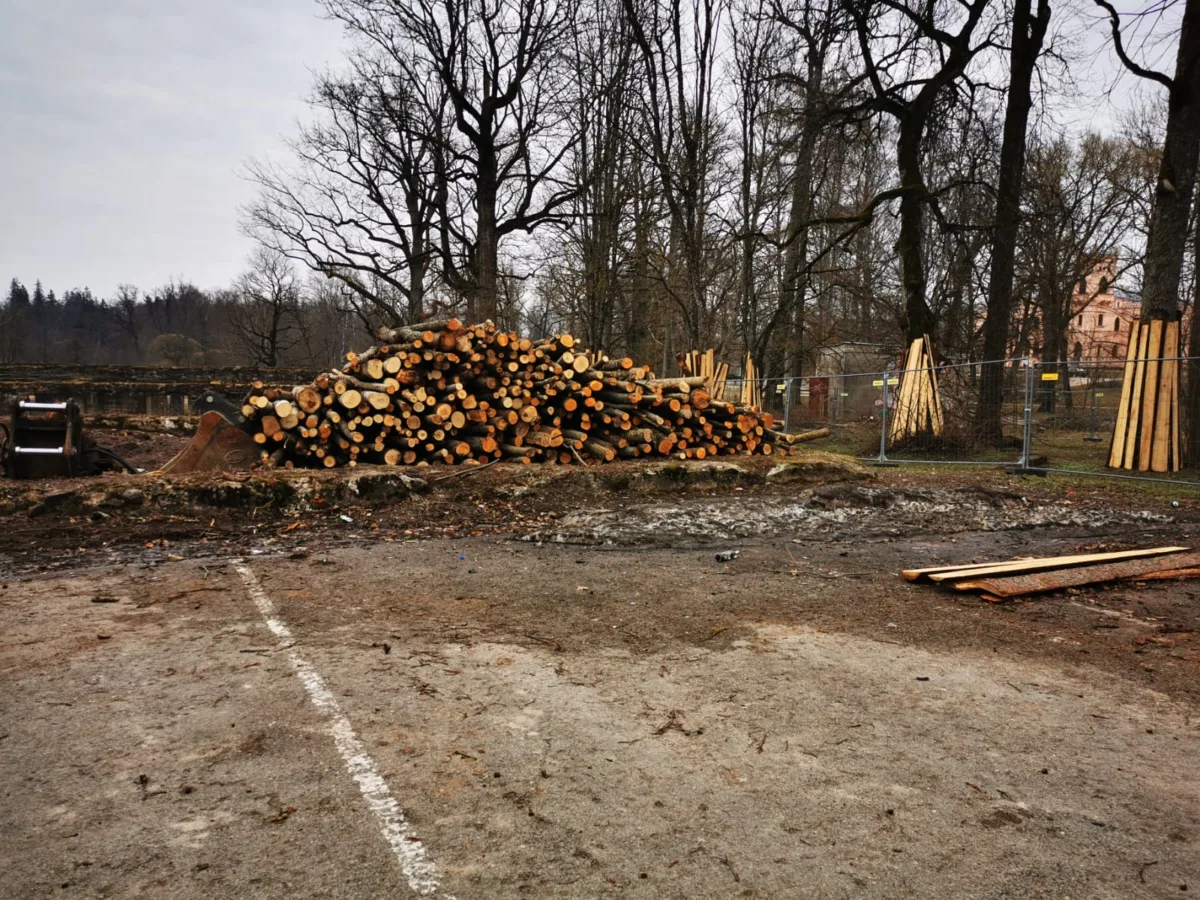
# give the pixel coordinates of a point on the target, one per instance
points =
(1176, 459)
(901, 423)
(1160, 446)
(939, 423)
(1041, 582)
(926, 421)
(896, 430)
(1116, 449)
(1135, 400)
(1062, 562)
(1038, 562)
(1150, 395)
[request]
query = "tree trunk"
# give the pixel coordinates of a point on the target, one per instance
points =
(1191, 400)
(482, 302)
(1027, 38)
(795, 256)
(1176, 177)
(918, 318)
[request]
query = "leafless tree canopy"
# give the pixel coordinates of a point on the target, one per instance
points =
(765, 177)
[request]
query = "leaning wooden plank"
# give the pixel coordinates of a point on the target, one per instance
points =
(1135, 400)
(1058, 579)
(1160, 446)
(1150, 395)
(902, 420)
(1176, 460)
(928, 418)
(1116, 450)
(938, 421)
(1041, 562)
(896, 425)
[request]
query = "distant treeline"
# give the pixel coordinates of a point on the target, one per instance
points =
(267, 318)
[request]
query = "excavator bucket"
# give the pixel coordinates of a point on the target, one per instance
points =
(220, 443)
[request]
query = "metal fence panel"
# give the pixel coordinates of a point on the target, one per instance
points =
(962, 437)
(1074, 415)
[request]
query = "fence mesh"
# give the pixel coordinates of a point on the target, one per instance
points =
(1075, 412)
(1055, 416)
(965, 434)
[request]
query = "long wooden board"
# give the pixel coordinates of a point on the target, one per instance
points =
(1116, 450)
(903, 410)
(939, 423)
(1057, 579)
(1176, 459)
(1160, 447)
(1040, 562)
(1135, 401)
(1062, 562)
(1150, 395)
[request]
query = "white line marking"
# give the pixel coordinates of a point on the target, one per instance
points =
(423, 876)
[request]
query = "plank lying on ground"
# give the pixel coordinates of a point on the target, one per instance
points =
(1017, 566)
(1165, 574)
(1057, 579)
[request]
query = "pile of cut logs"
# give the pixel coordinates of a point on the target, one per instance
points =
(452, 393)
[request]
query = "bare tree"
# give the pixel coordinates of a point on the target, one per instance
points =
(497, 66)
(913, 60)
(124, 312)
(1167, 239)
(681, 135)
(360, 205)
(1077, 214)
(265, 314)
(1025, 46)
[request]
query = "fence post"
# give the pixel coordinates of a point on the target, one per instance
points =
(1092, 437)
(883, 415)
(787, 406)
(1027, 431)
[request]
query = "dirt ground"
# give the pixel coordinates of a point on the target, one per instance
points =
(567, 695)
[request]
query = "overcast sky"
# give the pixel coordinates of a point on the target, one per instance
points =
(125, 127)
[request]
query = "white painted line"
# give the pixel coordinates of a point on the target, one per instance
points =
(423, 876)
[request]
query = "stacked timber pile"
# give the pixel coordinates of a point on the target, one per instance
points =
(918, 407)
(445, 392)
(1019, 577)
(1146, 433)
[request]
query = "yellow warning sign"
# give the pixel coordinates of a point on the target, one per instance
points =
(1049, 376)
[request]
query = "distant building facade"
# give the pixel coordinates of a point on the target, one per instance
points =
(1101, 330)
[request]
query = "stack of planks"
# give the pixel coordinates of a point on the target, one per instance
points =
(1019, 577)
(1146, 434)
(451, 393)
(751, 389)
(918, 406)
(701, 363)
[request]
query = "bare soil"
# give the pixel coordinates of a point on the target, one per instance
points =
(571, 697)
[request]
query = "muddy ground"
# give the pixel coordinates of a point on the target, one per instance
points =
(569, 696)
